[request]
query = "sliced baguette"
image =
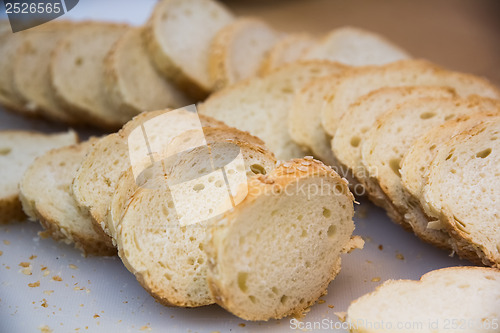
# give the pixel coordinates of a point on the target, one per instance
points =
(132, 83)
(393, 135)
(415, 163)
(45, 193)
(360, 81)
(468, 297)
(237, 51)
(166, 255)
(77, 72)
(18, 149)
(95, 181)
(178, 36)
(289, 49)
(261, 262)
(461, 190)
(356, 47)
(261, 105)
(31, 70)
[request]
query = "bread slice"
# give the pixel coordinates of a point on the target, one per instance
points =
(238, 49)
(132, 83)
(288, 49)
(178, 36)
(466, 297)
(95, 181)
(262, 264)
(156, 242)
(356, 47)
(361, 116)
(9, 98)
(45, 193)
(360, 81)
(393, 135)
(304, 118)
(261, 105)
(461, 190)
(18, 149)
(414, 165)
(31, 77)
(77, 72)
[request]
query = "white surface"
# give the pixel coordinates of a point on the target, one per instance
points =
(103, 287)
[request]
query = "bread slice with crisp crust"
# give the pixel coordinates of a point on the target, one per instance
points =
(18, 149)
(356, 47)
(466, 297)
(95, 181)
(415, 163)
(261, 105)
(161, 235)
(393, 135)
(45, 192)
(31, 77)
(238, 49)
(461, 190)
(77, 72)
(288, 49)
(261, 262)
(360, 81)
(178, 36)
(131, 82)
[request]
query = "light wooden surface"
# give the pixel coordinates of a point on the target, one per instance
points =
(462, 35)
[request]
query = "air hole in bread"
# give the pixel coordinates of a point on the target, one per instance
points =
(203, 170)
(170, 204)
(167, 276)
(326, 212)
(307, 264)
(453, 171)
(231, 171)
(275, 290)
(304, 233)
(332, 230)
(464, 286)
(485, 153)
(432, 147)
(355, 141)
(339, 189)
(394, 164)
(78, 61)
(258, 169)
(198, 187)
(283, 299)
(427, 115)
(448, 117)
(219, 183)
(300, 217)
(252, 299)
(242, 281)
(190, 261)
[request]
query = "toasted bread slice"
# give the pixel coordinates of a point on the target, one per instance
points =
(393, 135)
(95, 181)
(288, 49)
(415, 163)
(261, 105)
(178, 36)
(132, 83)
(461, 190)
(45, 192)
(77, 72)
(261, 262)
(18, 149)
(161, 234)
(360, 81)
(356, 47)
(469, 297)
(238, 49)
(31, 70)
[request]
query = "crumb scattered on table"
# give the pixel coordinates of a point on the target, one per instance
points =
(331, 306)
(380, 247)
(48, 292)
(73, 266)
(341, 315)
(45, 329)
(6, 242)
(376, 279)
(321, 301)
(96, 316)
(34, 284)
(400, 256)
(33, 257)
(241, 325)
(56, 278)
(44, 303)
(1, 252)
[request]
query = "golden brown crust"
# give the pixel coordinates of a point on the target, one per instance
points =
(11, 210)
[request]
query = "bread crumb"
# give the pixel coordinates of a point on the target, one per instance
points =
(43, 268)
(331, 306)
(380, 247)
(57, 278)
(400, 256)
(341, 315)
(45, 329)
(33, 257)
(6, 242)
(1, 252)
(47, 272)
(96, 316)
(7, 267)
(321, 301)
(241, 325)
(27, 270)
(48, 292)
(24, 264)
(34, 284)
(73, 266)
(145, 328)
(44, 304)
(44, 234)
(376, 279)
